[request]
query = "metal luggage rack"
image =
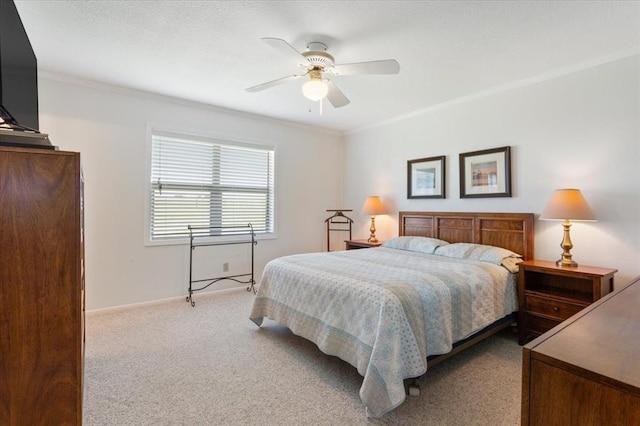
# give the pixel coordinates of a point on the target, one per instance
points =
(237, 231)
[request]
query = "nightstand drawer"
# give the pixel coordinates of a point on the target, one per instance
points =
(552, 307)
(538, 325)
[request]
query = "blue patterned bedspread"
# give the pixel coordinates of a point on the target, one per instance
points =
(383, 310)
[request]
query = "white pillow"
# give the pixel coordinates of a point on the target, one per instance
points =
(419, 244)
(511, 263)
(481, 252)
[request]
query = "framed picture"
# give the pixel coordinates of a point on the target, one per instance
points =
(486, 173)
(425, 178)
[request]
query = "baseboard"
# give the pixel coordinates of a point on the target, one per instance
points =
(211, 293)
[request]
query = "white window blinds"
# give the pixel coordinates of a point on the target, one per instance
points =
(211, 184)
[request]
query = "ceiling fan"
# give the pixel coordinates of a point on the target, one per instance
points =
(316, 61)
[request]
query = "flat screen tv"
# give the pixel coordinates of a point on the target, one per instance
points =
(18, 69)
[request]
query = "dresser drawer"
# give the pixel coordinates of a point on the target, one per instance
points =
(551, 307)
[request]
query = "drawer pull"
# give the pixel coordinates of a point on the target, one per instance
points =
(556, 309)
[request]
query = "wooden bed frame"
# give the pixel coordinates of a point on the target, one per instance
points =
(513, 231)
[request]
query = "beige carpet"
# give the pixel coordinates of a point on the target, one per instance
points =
(171, 364)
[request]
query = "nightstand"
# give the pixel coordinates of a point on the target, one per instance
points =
(549, 294)
(360, 244)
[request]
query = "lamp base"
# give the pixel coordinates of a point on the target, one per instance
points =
(372, 230)
(566, 245)
(566, 263)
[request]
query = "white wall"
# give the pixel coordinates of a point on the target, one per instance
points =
(577, 130)
(108, 126)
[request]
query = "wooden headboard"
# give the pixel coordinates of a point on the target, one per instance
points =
(513, 231)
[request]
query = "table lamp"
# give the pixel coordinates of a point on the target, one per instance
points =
(567, 205)
(373, 206)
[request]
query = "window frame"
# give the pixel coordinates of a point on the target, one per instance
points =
(154, 130)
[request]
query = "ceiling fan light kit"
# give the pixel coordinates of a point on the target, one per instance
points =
(316, 61)
(314, 90)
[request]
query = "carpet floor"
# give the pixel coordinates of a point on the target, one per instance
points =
(171, 364)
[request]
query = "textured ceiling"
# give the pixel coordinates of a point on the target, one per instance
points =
(210, 51)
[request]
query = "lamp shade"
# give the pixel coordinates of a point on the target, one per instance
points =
(315, 89)
(567, 204)
(373, 206)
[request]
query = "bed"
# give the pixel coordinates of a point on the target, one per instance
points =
(448, 281)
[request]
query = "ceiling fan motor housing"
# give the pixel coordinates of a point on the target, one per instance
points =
(317, 55)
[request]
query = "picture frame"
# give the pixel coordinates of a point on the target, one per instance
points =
(486, 173)
(426, 177)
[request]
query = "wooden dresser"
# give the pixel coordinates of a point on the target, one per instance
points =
(41, 287)
(586, 371)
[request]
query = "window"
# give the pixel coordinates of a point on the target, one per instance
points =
(209, 183)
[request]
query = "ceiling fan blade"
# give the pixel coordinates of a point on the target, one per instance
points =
(286, 49)
(272, 83)
(335, 96)
(387, 66)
